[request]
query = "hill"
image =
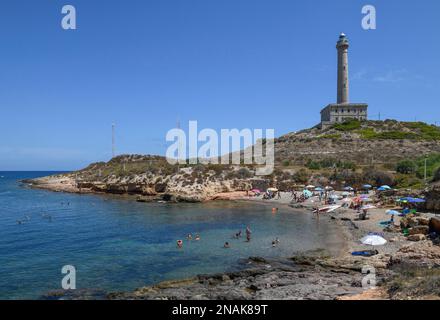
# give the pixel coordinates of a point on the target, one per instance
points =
(362, 143)
(354, 153)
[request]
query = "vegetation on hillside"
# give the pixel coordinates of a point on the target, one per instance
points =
(330, 163)
(411, 173)
(389, 129)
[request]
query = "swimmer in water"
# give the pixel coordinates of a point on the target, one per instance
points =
(248, 234)
(226, 245)
(189, 236)
(238, 235)
(197, 237)
(179, 244)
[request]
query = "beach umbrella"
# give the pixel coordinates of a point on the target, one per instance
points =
(328, 188)
(393, 212)
(256, 190)
(310, 187)
(319, 189)
(412, 200)
(307, 193)
(348, 189)
(272, 190)
(368, 207)
(373, 240)
(345, 193)
(384, 188)
(367, 186)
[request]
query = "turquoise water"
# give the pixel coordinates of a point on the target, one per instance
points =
(118, 244)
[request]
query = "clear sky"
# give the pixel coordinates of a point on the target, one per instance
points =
(144, 64)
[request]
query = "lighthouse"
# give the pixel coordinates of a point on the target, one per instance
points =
(342, 110)
(342, 47)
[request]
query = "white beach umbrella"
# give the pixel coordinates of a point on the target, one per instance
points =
(373, 240)
(368, 207)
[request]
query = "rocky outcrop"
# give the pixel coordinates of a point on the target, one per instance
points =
(263, 279)
(434, 225)
(433, 198)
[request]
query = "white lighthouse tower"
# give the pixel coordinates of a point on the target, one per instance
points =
(343, 110)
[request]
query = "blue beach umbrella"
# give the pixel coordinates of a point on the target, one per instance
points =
(319, 189)
(412, 200)
(348, 189)
(393, 212)
(307, 193)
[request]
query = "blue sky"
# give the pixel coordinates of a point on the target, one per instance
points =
(225, 63)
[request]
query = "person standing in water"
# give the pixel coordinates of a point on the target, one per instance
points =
(248, 234)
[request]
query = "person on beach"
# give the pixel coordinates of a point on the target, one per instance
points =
(278, 195)
(248, 234)
(294, 196)
(363, 216)
(392, 220)
(179, 244)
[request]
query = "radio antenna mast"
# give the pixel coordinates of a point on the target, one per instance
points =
(113, 140)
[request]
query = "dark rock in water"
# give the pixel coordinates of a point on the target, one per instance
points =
(78, 294)
(258, 259)
(144, 199)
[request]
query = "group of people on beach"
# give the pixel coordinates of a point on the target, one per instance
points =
(272, 195)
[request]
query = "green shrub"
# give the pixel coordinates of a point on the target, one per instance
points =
(348, 125)
(313, 165)
(406, 167)
(436, 175)
(286, 163)
(301, 176)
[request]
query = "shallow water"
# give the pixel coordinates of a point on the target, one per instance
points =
(118, 244)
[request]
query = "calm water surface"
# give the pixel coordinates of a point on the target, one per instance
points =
(120, 244)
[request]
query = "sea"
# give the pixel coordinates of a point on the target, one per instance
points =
(117, 244)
